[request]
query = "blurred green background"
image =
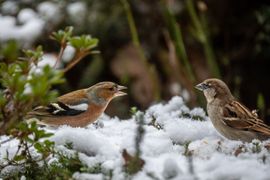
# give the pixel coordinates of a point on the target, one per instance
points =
(161, 48)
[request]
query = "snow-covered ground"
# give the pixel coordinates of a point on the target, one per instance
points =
(168, 129)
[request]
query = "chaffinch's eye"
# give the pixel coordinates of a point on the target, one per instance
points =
(111, 89)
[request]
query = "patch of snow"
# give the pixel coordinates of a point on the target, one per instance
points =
(47, 59)
(50, 11)
(68, 54)
(184, 130)
(27, 89)
(77, 12)
(163, 148)
(9, 7)
(85, 176)
(221, 166)
(26, 15)
(94, 143)
(26, 33)
(171, 169)
(175, 88)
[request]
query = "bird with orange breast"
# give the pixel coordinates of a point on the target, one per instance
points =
(78, 108)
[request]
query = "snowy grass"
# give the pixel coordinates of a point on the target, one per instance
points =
(176, 140)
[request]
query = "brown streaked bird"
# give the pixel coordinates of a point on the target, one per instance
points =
(231, 119)
(78, 108)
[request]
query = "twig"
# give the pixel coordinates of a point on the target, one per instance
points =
(7, 140)
(60, 55)
(77, 59)
(140, 133)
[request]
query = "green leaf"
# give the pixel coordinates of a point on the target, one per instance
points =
(62, 36)
(260, 102)
(69, 145)
(23, 126)
(38, 147)
(133, 110)
(49, 143)
(83, 43)
(19, 157)
(10, 51)
(2, 99)
(34, 56)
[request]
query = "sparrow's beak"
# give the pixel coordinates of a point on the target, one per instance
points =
(119, 92)
(202, 86)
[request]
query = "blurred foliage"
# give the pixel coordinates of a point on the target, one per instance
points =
(27, 162)
(83, 45)
(163, 48)
(24, 84)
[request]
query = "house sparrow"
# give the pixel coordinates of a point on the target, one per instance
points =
(231, 119)
(78, 108)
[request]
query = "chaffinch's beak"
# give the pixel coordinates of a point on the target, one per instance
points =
(119, 92)
(202, 86)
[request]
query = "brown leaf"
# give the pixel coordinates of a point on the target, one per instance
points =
(239, 150)
(267, 146)
(132, 164)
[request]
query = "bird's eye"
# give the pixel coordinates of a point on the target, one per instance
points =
(111, 89)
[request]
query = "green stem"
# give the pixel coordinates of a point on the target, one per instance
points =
(176, 35)
(136, 42)
(132, 26)
(203, 37)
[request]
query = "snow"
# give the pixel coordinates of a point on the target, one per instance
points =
(85, 176)
(49, 11)
(77, 12)
(170, 169)
(26, 15)
(232, 167)
(27, 32)
(10, 146)
(176, 139)
(68, 54)
(176, 89)
(95, 143)
(28, 25)
(47, 59)
(9, 7)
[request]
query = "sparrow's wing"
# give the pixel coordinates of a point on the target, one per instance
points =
(239, 117)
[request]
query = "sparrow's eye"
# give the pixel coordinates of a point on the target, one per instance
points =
(207, 85)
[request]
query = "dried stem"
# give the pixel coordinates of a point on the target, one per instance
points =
(60, 55)
(77, 58)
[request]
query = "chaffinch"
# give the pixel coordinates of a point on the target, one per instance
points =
(78, 108)
(231, 119)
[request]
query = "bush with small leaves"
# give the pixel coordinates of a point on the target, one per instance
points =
(24, 85)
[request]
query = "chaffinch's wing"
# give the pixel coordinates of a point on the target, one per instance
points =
(70, 104)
